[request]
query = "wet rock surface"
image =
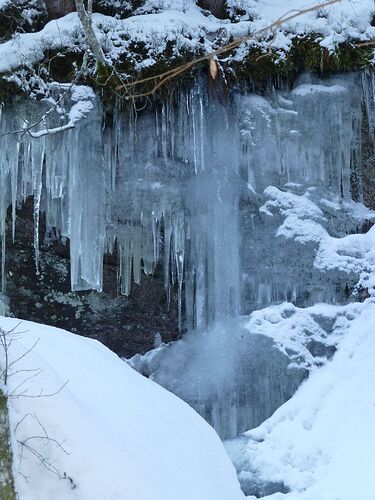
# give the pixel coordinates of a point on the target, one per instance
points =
(127, 325)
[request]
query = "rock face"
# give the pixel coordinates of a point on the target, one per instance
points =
(59, 8)
(217, 7)
(127, 325)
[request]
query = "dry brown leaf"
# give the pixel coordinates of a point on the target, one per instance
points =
(213, 68)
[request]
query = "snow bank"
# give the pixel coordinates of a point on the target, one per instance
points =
(321, 443)
(127, 437)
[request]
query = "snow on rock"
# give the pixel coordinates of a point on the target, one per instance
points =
(127, 438)
(308, 336)
(304, 222)
(320, 444)
(189, 27)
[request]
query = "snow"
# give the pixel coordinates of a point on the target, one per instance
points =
(293, 328)
(186, 24)
(304, 223)
(321, 443)
(127, 438)
(304, 89)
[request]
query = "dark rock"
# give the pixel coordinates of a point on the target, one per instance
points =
(127, 325)
(320, 350)
(216, 7)
(59, 8)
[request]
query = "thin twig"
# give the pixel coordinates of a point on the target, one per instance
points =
(172, 73)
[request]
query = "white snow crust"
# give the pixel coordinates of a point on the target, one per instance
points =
(127, 438)
(187, 25)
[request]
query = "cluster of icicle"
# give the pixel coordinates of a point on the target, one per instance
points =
(165, 184)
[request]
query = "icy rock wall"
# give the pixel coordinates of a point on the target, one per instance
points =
(183, 182)
(152, 186)
(306, 142)
(300, 160)
(233, 197)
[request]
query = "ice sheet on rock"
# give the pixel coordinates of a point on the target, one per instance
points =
(238, 372)
(303, 136)
(303, 222)
(230, 375)
(308, 336)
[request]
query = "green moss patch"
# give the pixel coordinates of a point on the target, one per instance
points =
(305, 54)
(6, 475)
(258, 69)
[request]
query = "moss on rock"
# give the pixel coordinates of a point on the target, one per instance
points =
(6, 475)
(257, 70)
(305, 54)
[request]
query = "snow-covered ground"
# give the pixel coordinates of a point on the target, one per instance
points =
(321, 443)
(127, 437)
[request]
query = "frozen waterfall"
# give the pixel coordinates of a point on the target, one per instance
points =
(182, 183)
(206, 186)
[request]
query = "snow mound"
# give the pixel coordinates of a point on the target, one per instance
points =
(320, 444)
(127, 437)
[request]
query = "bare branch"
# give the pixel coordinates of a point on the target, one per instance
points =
(23, 382)
(23, 355)
(162, 78)
(41, 394)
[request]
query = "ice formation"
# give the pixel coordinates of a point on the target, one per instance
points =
(149, 177)
(226, 194)
(296, 187)
(183, 183)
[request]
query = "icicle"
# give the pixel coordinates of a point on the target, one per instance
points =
(14, 182)
(125, 264)
(37, 160)
(156, 237)
(202, 129)
(167, 254)
(368, 93)
(87, 197)
(164, 133)
(137, 253)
